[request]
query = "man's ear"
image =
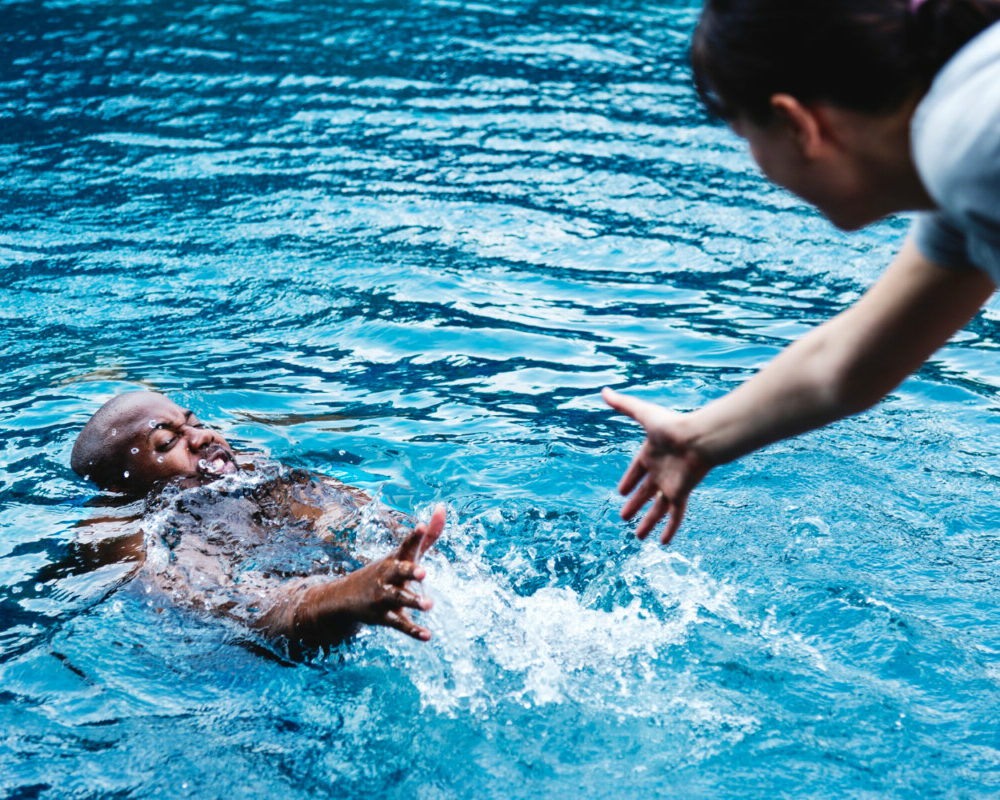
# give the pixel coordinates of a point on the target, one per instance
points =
(803, 124)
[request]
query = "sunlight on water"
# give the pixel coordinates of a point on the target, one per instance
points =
(405, 245)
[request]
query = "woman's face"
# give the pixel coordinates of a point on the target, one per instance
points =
(821, 171)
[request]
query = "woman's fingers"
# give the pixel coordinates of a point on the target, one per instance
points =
(652, 418)
(679, 506)
(640, 410)
(660, 506)
(635, 472)
(667, 453)
(647, 414)
(639, 499)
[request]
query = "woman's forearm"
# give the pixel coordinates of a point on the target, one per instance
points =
(798, 391)
(845, 365)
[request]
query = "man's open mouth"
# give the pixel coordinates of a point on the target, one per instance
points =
(216, 460)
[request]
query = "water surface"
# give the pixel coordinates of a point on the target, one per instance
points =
(405, 244)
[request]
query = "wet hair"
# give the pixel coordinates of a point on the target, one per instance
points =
(861, 55)
(98, 455)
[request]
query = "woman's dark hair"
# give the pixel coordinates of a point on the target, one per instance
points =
(863, 55)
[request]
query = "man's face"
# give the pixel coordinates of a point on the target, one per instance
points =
(160, 440)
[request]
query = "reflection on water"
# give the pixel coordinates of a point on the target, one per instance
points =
(404, 245)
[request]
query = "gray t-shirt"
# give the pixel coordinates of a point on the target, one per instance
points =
(955, 136)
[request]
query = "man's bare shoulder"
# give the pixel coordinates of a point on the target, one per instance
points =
(111, 535)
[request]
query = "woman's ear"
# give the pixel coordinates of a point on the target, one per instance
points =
(802, 123)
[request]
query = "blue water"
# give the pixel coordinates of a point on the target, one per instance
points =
(405, 244)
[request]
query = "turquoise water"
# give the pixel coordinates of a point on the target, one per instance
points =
(405, 244)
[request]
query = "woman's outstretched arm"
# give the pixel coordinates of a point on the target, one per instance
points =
(840, 368)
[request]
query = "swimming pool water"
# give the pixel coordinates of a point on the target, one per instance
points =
(405, 244)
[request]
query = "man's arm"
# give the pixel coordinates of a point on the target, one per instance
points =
(840, 368)
(98, 542)
(322, 612)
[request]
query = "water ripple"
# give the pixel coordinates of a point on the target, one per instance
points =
(405, 244)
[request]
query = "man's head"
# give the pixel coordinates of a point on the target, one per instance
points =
(139, 438)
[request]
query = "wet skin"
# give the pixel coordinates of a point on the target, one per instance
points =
(157, 440)
(160, 440)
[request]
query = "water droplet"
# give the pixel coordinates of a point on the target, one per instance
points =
(114, 431)
(125, 473)
(135, 450)
(39, 587)
(152, 423)
(159, 460)
(86, 477)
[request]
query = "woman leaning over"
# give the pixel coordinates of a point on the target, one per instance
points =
(863, 108)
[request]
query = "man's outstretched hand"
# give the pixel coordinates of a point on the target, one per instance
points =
(665, 469)
(382, 590)
(380, 593)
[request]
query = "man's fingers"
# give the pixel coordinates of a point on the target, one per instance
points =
(398, 596)
(639, 499)
(433, 529)
(402, 571)
(423, 535)
(656, 511)
(401, 622)
(409, 548)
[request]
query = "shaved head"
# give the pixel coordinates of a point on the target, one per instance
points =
(99, 450)
(138, 439)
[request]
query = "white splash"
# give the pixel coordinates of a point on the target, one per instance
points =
(493, 645)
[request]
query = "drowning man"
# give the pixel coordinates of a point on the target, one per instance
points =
(262, 545)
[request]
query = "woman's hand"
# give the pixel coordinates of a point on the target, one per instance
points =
(842, 367)
(665, 470)
(379, 593)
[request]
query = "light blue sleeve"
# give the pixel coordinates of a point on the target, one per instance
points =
(940, 241)
(956, 149)
(959, 156)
